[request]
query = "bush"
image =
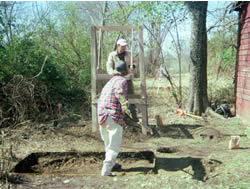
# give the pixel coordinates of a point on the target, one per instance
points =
(31, 88)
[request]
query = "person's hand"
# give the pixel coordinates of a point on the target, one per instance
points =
(127, 111)
(124, 105)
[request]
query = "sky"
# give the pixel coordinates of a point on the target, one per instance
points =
(185, 29)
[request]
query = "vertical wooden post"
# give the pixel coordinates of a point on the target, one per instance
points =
(93, 77)
(143, 84)
(99, 49)
(131, 61)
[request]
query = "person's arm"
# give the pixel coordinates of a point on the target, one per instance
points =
(110, 66)
(121, 93)
(124, 104)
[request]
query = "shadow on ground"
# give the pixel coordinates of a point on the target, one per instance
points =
(176, 131)
(198, 168)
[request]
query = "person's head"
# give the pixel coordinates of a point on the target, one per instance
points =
(121, 45)
(121, 67)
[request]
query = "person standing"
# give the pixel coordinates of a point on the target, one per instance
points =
(111, 108)
(122, 54)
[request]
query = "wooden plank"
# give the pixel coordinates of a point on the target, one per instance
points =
(245, 29)
(245, 36)
(142, 65)
(136, 101)
(244, 57)
(144, 111)
(245, 21)
(245, 26)
(244, 68)
(99, 49)
(133, 99)
(143, 83)
(247, 13)
(244, 41)
(244, 46)
(243, 83)
(243, 74)
(243, 97)
(243, 91)
(244, 62)
(135, 96)
(244, 52)
(103, 77)
(243, 79)
(130, 100)
(93, 77)
(117, 28)
(242, 108)
(108, 77)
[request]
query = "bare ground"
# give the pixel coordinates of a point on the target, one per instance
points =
(188, 153)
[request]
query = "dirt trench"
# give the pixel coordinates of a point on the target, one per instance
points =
(90, 164)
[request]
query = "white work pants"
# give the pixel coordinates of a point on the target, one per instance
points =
(111, 133)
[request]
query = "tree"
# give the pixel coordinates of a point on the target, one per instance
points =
(198, 99)
(158, 20)
(222, 43)
(222, 51)
(43, 64)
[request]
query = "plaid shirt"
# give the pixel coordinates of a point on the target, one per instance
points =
(108, 103)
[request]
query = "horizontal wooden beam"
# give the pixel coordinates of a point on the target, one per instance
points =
(103, 77)
(134, 96)
(108, 77)
(136, 101)
(132, 99)
(116, 28)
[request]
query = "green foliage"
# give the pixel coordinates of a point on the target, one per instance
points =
(26, 58)
(159, 11)
(229, 59)
(64, 77)
(222, 49)
(70, 47)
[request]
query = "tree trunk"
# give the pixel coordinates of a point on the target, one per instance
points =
(198, 100)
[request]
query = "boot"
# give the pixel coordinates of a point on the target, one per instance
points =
(116, 167)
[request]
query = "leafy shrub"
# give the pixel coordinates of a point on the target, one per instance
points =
(31, 88)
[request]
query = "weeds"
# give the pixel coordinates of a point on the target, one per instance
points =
(5, 159)
(221, 91)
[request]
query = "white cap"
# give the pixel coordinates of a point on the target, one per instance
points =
(122, 42)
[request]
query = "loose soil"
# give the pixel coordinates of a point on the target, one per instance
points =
(183, 153)
(85, 164)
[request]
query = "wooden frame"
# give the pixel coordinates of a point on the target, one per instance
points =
(95, 77)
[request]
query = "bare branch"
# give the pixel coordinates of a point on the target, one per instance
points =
(41, 68)
(219, 23)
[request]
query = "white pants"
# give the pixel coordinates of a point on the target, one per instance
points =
(111, 133)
